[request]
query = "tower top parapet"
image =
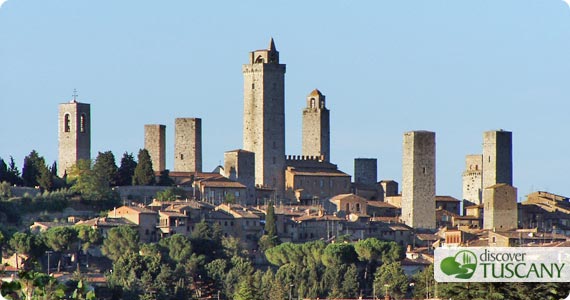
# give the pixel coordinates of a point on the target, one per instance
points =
(265, 56)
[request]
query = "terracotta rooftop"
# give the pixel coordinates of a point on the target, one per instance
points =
(380, 204)
(446, 199)
(315, 92)
(337, 198)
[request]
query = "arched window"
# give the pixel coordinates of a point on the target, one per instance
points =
(259, 60)
(66, 123)
(358, 207)
(82, 121)
(312, 102)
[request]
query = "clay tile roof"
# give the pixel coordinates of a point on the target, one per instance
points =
(446, 199)
(380, 204)
(141, 210)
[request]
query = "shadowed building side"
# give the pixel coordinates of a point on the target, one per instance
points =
(264, 116)
(155, 143)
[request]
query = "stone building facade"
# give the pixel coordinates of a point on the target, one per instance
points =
(497, 158)
(239, 165)
(365, 171)
(188, 145)
(264, 116)
(74, 128)
(155, 143)
(418, 176)
(500, 207)
(316, 126)
(473, 179)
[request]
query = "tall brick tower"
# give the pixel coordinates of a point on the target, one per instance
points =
(155, 143)
(74, 133)
(316, 126)
(418, 176)
(264, 116)
(365, 171)
(497, 158)
(473, 179)
(188, 145)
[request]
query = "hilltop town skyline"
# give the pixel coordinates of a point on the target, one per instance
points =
(372, 102)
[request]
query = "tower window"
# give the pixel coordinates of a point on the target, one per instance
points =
(253, 86)
(66, 125)
(312, 102)
(82, 121)
(424, 170)
(181, 156)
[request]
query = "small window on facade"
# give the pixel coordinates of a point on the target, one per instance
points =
(181, 156)
(82, 123)
(358, 207)
(253, 86)
(66, 123)
(424, 170)
(312, 102)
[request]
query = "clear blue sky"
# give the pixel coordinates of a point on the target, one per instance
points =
(454, 67)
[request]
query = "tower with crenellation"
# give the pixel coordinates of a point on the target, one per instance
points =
(316, 127)
(74, 134)
(264, 116)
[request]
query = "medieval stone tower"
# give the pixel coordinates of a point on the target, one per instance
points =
(497, 158)
(264, 116)
(500, 207)
(155, 143)
(188, 145)
(418, 179)
(316, 126)
(365, 171)
(74, 134)
(239, 165)
(473, 179)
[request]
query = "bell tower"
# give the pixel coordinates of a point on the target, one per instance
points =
(264, 116)
(316, 126)
(74, 134)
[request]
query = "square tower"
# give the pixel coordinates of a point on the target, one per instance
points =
(188, 145)
(264, 116)
(473, 179)
(74, 128)
(418, 179)
(316, 127)
(155, 143)
(239, 165)
(366, 171)
(500, 207)
(497, 158)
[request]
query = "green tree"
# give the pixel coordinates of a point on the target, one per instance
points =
(86, 182)
(170, 194)
(3, 171)
(13, 175)
(46, 179)
(179, 248)
(34, 165)
(165, 179)
(120, 241)
(391, 277)
(60, 239)
(350, 286)
(339, 253)
(245, 290)
(126, 169)
(270, 238)
(27, 243)
(105, 168)
(144, 175)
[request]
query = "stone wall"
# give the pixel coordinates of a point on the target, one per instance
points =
(155, 143)
(316, 127)
(239, 165)
(500, 207)
(188, 145)
(264, 117)
(74, 134)
(366, 171)
(418, 179)
(497, 158)
(144, 193)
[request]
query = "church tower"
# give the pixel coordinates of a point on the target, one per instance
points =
(74, 134)
(264, 116)
(316, 126)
